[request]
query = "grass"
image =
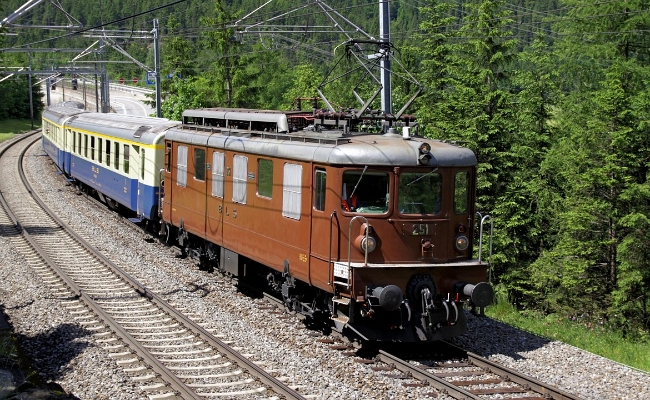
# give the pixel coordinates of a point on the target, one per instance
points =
(8, 128)
(595, 339)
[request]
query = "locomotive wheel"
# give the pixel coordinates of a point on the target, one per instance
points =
(169, 239)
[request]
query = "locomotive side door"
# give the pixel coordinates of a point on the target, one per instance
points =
(216, 159)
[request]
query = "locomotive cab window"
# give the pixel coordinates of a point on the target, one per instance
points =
(420, 192)
(365, 191)
(461, 192)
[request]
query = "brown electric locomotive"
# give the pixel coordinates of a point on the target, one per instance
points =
(373, 231)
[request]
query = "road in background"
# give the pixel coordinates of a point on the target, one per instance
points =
(124, 99)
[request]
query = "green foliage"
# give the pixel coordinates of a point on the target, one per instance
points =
(14, 99)
(598, 337)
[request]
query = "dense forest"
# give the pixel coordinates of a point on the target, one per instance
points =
(553, 97)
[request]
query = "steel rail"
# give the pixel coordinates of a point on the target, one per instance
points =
(275, 384)
(170, 378)
(457, 392)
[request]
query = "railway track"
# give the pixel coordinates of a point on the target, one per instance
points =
(160, 347)
(450, 372)
(474, 377)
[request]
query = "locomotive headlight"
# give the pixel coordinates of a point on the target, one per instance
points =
(425, 155)
(368, 243)
(461, 243)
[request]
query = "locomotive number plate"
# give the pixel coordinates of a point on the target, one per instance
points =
(415, 229)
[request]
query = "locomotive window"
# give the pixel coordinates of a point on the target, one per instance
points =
(239, 176)
(265, 178)
(86, 146)
(419, 192)
(99, 150)
(126, 158)
(461, 192)
(199, 164)
(181, 175)
(320, 186)
(218, 161)
(92, 147)
(365, 191)
(116, 156)
(292, 191)
(108, 153)
(168, 157)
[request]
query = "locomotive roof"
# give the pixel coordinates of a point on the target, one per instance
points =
(357, 149)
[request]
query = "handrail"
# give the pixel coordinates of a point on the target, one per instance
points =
(329, 261)
(350, 245)
(480, 241)
(161, 187)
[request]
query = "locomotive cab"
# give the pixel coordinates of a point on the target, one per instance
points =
(407, 267)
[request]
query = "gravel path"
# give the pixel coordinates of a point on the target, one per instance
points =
(62, 351)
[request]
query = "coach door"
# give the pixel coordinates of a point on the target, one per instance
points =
(214, 215)
(188, 194)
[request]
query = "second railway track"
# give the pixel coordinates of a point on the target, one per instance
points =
(164, 351)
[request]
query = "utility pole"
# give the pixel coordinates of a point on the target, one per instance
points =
(106, 101)
(156, 55)
(29, 79)
(384, 38)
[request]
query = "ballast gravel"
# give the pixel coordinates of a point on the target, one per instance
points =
(63, 352)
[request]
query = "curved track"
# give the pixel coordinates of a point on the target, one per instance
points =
(169, 355)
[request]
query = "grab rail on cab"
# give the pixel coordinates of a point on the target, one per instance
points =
(484, 219)
(161, 191)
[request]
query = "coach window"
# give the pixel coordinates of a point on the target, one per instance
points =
(461, 192)
(142, 163)
(181, 167)
(108, 153)
(199, 164)
(239, 176)
(419, 192)
(126, 158)
(92, 147)
(265, 178)
(320, 187)
(218, 164)
(365, 191)
(99, 150)
(116, 156)
(86, 146)
(292, 191)
(74, 143)
(79, 143)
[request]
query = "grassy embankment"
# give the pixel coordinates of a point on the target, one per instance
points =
(595, 339)
(11, 127)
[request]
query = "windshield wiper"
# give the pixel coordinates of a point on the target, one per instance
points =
(428, 173)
